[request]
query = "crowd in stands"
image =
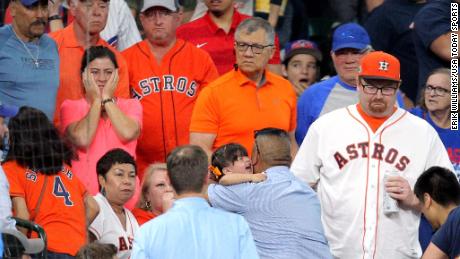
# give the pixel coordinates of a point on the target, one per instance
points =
(228, 129)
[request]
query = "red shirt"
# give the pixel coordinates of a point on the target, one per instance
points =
(8, 18)
(205, 34)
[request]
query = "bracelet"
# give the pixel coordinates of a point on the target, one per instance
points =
(54, 17)
(111, 100)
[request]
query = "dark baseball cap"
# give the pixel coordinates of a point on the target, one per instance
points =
(8, 110)
(350, 35)
(32, 2)
(302, 47)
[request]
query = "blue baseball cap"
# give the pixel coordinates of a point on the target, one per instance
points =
(8, 110)
(31, 2)
(350, 35)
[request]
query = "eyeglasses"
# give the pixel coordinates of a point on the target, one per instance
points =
(255, 48)
(437, 90)
(385, 90)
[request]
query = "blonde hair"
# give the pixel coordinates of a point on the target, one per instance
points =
(146, 181)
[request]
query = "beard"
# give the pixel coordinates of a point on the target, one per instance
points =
(217, 13)
(34, 30)
(378, 107)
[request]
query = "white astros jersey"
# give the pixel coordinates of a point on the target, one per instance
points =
(108, 229)
(347, 160)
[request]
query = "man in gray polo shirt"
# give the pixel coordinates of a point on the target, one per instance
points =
(283, 213)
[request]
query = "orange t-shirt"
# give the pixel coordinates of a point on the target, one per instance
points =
(71, 54)
(167, 92)
(62, 209)
(142, 216)
(232, 107)
(373, 122)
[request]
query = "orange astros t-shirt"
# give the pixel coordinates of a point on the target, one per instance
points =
(62, 210)
(167, 92)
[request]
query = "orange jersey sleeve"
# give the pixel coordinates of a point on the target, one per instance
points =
(62, 210)
(14, 172)
(123, 83)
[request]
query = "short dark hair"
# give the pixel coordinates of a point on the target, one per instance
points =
(271, 132)
(113, 157)
(187, 168)
(441, 184)
(97, 250)
(35, 142)
(227, 154)
(95, 52)
(278, 153)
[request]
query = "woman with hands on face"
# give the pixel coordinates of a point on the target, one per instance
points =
(99, 122)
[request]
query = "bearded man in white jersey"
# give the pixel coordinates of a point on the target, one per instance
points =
(346, 154)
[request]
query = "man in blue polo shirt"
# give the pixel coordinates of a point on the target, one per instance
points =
(29, 60)
(350, 42)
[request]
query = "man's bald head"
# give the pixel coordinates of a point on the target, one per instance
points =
(272, 147)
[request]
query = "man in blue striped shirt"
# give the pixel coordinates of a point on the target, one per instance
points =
(283, 212)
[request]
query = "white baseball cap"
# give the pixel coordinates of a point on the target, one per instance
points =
(171, 5)
(31, 246)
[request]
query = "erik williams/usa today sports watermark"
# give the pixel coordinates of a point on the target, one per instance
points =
(454, 66)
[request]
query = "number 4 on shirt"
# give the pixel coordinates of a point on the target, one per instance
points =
(59, 190)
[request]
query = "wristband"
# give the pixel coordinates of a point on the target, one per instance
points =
(54, 17)
(111, 100)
